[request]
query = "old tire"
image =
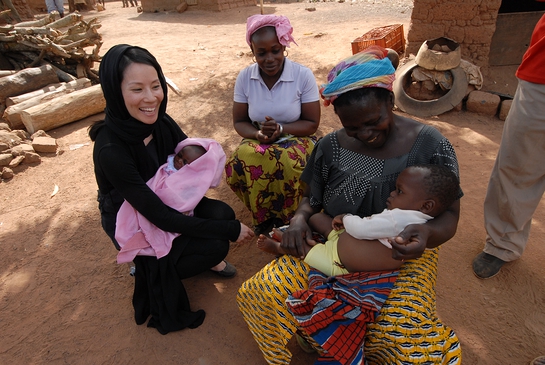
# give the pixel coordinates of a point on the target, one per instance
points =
(428, 108)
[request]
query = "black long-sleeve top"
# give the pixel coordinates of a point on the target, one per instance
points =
(116, 168)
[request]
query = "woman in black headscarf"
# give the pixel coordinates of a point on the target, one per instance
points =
(130, 144)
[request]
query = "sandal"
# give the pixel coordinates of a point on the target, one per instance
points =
(227, 272)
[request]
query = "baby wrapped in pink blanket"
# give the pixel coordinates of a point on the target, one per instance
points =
(180, 189)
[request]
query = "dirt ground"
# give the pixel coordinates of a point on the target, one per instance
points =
(63, 298)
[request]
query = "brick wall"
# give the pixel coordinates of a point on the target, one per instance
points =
(213, 5)
(23, 8)
(471, 23)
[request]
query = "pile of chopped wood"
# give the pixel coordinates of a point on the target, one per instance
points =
(70, 43)
(47, 78)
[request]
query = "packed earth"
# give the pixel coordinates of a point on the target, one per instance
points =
(65, 300)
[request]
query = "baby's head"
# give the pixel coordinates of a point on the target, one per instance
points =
(187, 155)
(430, 189)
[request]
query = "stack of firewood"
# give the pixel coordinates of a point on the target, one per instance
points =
(62, 42)
(51, 81)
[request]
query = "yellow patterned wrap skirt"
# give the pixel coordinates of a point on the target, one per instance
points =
(406, 331)
(266, 177)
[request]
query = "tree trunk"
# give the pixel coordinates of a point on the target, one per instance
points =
(74, 85)
(64, 109)
(13, 113)
(26, 80)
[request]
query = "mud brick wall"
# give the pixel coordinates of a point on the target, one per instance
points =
(229, 4)
(471, 23)
(24, 8)
(213, 5)
(153, 6)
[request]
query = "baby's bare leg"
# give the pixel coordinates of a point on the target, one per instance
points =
(363, 255)
(321, 223)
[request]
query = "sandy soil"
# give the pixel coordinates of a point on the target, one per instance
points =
(63, 298)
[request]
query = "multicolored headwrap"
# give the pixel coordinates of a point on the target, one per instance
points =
(279, 22)
(368, 68)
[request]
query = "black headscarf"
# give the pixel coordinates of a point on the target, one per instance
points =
(118, 119)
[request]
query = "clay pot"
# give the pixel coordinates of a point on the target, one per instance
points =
(439, 54)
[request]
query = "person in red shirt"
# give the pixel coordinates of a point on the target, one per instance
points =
(517, 181)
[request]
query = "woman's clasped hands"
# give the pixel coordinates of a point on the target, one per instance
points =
(270, 131)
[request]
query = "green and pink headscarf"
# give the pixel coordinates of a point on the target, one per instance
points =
(368, 68)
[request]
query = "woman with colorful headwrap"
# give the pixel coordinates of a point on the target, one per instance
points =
(129, 145)
(353, 170)
(276, 110)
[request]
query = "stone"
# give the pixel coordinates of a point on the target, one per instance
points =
(3, 146)
(9, 138)
(21, 134)
(31, 157)
(483, 103)
(5, 127)
(39, 133)
(504, 109)
(5, 159)
(459, 107)
(7, 173)
(21, 149)
(16, 161)
(182, 7)
(44, 144)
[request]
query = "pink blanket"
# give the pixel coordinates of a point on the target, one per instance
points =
(182, 190)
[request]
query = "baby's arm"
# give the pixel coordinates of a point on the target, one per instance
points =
(370, 228)
(386, 224)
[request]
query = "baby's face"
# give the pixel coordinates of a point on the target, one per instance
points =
(409, 192)
(179, 160)
(186, 156)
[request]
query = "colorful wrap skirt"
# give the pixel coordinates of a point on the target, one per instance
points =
(266, 177)
(406, 330)
(335, 311)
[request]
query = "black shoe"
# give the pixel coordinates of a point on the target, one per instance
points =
(486, 266)
(228, 271)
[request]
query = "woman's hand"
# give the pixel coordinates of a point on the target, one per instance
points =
(410, 243)
(297, 239)
(245, 233)
(270, 131)
(415, 238)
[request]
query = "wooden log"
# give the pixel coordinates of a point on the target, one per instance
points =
(26, 80)
(9, 38)
(67, 21)
(6, 72)
(13, 113)
(37, 23)
(64, 109)
(6, 28)
(63, 76)
(37, 30)
(75, 85)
